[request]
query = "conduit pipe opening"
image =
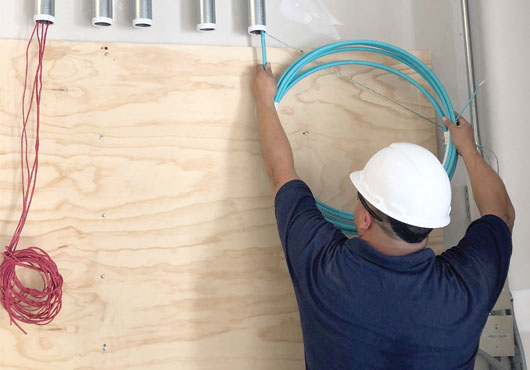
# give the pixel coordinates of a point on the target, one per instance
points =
(44, 11)
(143, 13)
(103, 13)
(257, 19)
(206, 16)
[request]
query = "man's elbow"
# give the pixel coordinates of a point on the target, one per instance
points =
(504, 211)
(510, 216)
(280, 177)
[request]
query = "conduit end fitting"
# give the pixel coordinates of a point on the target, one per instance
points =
(44, 11)
(256, 29)
(142, 22)
(102, 21)
(206, 27)
(44, 18)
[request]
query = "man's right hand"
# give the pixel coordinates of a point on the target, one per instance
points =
(264, 85)
(462, 135)
(489, 191)
(275, 147)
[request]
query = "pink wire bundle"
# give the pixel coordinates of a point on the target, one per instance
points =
(24, 304)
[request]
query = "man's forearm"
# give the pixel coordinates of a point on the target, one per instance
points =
(489, 191)
(275, 147)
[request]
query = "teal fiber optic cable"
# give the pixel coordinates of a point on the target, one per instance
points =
(263, 49)
(440, 100)
(470, 100)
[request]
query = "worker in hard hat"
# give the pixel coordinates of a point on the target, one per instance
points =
(383, 300)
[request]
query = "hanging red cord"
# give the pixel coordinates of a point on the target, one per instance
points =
(23, 304)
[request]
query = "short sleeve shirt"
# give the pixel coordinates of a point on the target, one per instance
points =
(361, 309)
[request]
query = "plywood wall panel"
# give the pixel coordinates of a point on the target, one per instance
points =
(162, 141)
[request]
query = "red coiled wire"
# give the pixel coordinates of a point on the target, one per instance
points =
(23, 304)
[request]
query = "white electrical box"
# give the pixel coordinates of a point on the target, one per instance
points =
(497, 336)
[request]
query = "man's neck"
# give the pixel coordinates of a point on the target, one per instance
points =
(383, 243)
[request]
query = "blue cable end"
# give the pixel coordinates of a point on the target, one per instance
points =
(263, 49)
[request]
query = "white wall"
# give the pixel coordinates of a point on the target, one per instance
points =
(412, 24)
(501, 37)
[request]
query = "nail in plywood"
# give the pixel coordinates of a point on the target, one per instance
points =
(153, 200)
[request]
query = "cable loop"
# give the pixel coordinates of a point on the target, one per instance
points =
(440, 100)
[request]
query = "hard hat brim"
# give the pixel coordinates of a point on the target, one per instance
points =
(356, 178)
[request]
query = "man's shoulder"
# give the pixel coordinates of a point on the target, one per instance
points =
(293, 186)
(493, 222)
(291, 193)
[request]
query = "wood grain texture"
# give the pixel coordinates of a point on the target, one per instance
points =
(163, 141)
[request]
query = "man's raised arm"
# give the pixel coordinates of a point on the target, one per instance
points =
(275, 147)
(488, 189)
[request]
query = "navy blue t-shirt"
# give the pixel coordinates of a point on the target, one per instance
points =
(361, 309)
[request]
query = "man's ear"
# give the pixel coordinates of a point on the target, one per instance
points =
(365, 222)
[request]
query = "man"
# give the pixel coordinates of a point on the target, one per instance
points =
(383, 300)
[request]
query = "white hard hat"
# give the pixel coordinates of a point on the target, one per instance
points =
(406, 182)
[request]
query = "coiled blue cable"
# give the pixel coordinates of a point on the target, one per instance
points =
(441, 103)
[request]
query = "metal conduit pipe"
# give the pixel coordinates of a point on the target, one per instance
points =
(143, 13)
(102, 13)
(206, 15)
(476, 128)
(256, 17)
(470, 71)
(44, 11)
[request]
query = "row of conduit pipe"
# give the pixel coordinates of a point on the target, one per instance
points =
(256, 16)
(103, 14)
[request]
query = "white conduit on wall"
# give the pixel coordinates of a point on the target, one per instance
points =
(470, 72)
(103, 16)
(206, 15)
(143, 14)
(256, 17)
(44, 11)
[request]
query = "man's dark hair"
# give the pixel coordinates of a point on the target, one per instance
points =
(393, 227)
